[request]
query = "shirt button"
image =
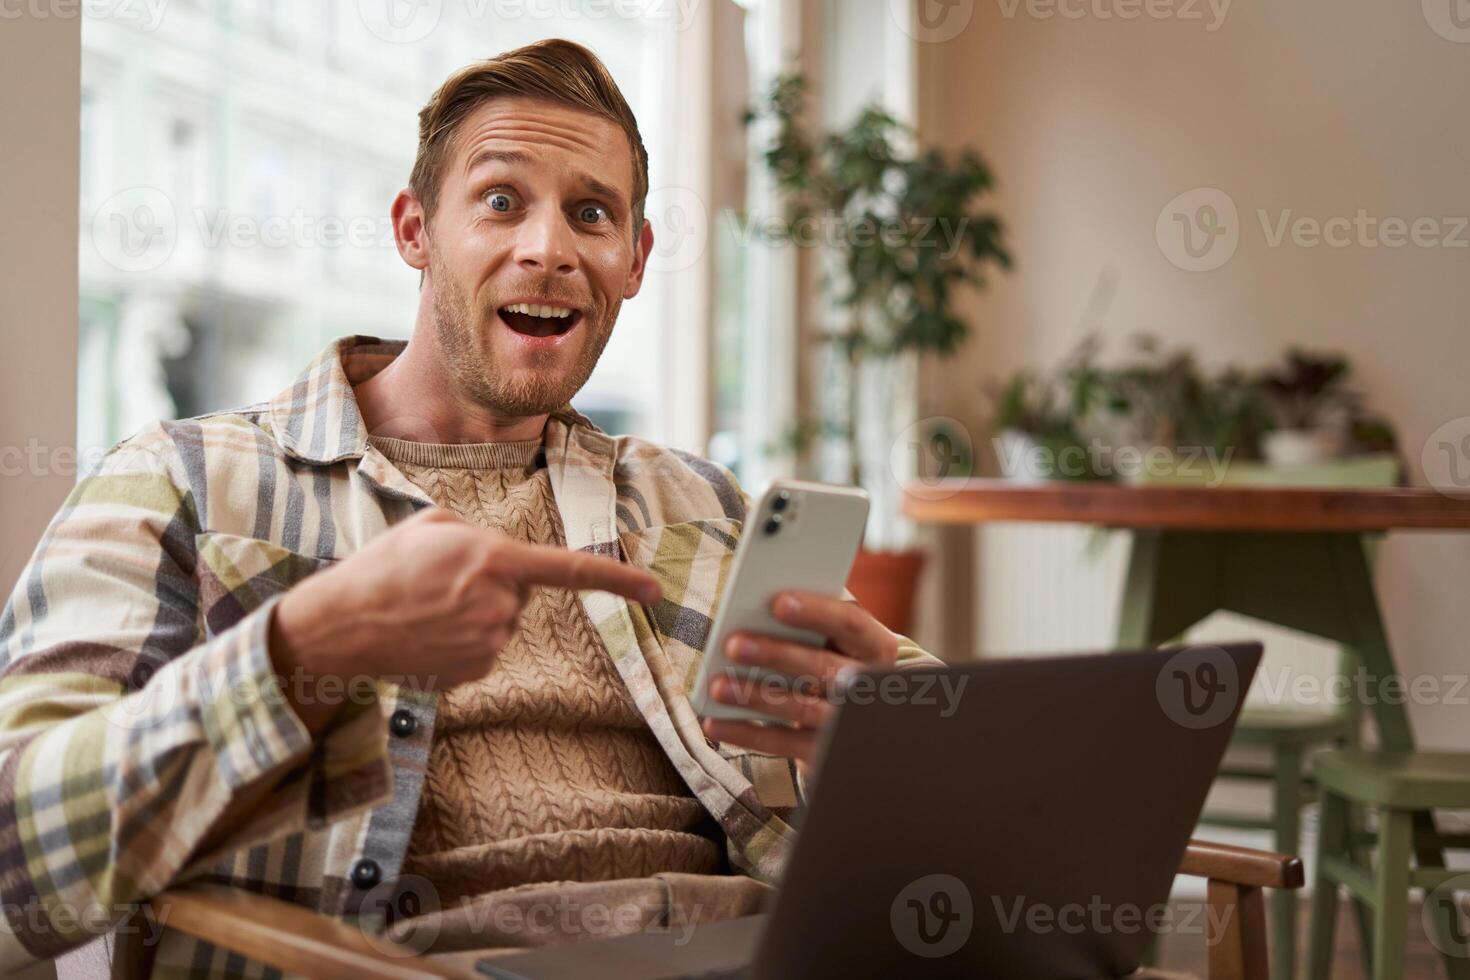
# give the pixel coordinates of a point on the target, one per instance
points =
(403, 723)
(366, 873)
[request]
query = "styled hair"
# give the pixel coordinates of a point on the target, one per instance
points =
(555, 70)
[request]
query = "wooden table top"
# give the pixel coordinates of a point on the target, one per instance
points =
(1233, 508)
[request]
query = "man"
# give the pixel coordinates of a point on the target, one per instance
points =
(413, 636)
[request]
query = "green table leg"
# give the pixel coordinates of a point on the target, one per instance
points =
(1135, 618)
(1365, 633)
(1170, 586)
(1153, 613)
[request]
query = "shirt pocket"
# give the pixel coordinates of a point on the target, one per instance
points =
(773, 777)
(692, 561)
(237, 575)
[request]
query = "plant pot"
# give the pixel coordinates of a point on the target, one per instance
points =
(1301, 447)
(885, 584)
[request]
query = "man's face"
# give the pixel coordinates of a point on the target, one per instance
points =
(531, 252)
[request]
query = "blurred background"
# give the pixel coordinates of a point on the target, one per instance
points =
(1230, 182)
(257, 145)
(896, 241)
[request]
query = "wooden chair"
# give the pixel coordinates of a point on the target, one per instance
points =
(297, 940)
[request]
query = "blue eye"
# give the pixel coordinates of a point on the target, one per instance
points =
(592, 213)
(499, 201)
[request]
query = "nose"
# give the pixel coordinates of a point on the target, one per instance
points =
(545, 243)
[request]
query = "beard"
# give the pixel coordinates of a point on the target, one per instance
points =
(467, 336)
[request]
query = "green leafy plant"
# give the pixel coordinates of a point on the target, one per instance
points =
(1313, 390)
(1028, 403)
(1235, 415)
(1157, 396)
(1310, 390)
(1045, 408)
(912, 233)
(1372, 434)
(1160, 392)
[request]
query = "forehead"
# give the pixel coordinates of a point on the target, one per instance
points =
(551, 134)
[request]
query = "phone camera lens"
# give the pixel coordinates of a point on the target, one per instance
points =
(773, 526)
(782, 499)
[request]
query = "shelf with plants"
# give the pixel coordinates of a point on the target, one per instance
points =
(1156, 416)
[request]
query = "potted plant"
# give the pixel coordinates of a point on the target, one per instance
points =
(1026, 421)
(1312, 408)
(1150, 400)
(1035, 420)
(911, 232)
(1236, 418)
(1159, 399)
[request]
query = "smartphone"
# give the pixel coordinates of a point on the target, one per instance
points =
(797, 536)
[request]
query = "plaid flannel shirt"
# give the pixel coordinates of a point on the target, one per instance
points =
(144, 736)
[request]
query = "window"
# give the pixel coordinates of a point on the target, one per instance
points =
(239, 158)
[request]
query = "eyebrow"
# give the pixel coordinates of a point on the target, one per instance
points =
(488, 155)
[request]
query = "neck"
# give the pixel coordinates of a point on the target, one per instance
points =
(414, 398)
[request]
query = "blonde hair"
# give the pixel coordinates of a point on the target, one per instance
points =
(556, 70)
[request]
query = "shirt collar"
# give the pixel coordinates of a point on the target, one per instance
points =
(316, 419)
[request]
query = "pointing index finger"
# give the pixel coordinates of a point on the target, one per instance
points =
(560, 568)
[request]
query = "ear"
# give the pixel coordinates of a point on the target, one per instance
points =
(641, 250)
(411, 229)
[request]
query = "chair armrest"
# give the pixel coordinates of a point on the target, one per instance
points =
(1241, 865)
(298, 940)
(287, 936)
(1236, 930)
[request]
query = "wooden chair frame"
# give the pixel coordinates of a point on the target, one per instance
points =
(298, 940)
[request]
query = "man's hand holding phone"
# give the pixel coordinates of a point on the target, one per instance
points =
(783, 633)
(857, 641)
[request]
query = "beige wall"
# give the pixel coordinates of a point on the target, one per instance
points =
(39, 97)
(1093, 125)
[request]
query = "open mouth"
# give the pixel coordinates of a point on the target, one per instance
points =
(539, 319)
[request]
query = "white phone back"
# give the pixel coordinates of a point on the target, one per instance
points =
(821, 529)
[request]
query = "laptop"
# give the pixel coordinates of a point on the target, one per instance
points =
(1018, 818)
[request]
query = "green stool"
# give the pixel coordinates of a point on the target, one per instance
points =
(1289, 734)
(1404, 787)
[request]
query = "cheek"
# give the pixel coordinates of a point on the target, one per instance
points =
(608, 268)
(480, 247)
